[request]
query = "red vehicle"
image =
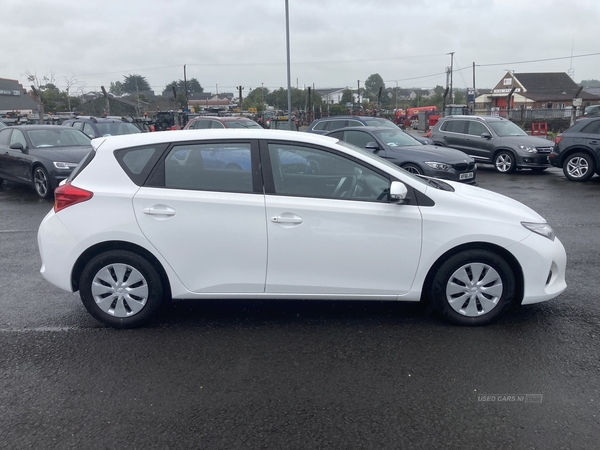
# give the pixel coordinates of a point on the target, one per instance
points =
(411, 118)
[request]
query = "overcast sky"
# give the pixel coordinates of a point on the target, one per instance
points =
(334, 43)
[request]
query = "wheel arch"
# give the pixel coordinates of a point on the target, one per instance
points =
(504, 149)
(501, 251)
(101, 247)
(565, 154)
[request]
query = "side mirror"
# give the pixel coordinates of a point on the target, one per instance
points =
(17, 146)
(372, 146)
(398, 192)
(486, 136)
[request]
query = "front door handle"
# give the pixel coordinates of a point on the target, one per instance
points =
(293, 219)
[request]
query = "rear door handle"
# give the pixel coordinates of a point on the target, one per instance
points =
(159, 210)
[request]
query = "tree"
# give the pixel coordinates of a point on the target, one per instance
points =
(134, 84)
(116, 88)
(193, 87)
(346, 97)
(372, 85)
(590, 83)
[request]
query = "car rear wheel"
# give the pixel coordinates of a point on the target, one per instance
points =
(413, 168)
(504, 162)
(579, 167)
(41, 182)
(473, 287)
(121, 289)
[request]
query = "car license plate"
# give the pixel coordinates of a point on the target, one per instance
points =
(466, 176)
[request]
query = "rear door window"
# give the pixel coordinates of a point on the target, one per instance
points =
(455, 126)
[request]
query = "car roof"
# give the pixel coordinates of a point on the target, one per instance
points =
(39, 127)
(483, 118)
(224, 119)
(165, 137)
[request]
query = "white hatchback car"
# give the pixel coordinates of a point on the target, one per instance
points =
(250, 214)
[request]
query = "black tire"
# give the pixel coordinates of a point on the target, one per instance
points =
(1, 180)
(126, 278)
(579, 167)
(505, 162)
(413, 168)
(41, 182)
(459, 295)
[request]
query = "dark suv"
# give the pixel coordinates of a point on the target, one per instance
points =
(96, 127)
(577, 150)
(493, 140)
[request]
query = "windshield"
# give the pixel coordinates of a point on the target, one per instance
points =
(506, 128)
(382, 161)
(381, 123)
(57, 138)
(243, 124)
(117, 128)
(395, 138)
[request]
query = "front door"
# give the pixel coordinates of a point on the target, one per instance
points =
(334, 232)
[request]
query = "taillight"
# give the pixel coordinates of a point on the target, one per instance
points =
(428, 134)
(557, 139)
(69, 195)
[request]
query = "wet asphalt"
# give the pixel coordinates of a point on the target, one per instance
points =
(304, 375)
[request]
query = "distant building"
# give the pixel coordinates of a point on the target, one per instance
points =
(13, 97)
(552, 90)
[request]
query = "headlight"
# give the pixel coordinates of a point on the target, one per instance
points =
(438, 165)
(527, 148)
(64, 165)
(543, 229)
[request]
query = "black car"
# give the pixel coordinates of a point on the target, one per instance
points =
(96, 127)
(327, 124)
(41, 155)
(493, 140)
(577, 150)
(403, 150)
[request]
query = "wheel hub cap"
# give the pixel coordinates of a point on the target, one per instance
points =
(474, 289)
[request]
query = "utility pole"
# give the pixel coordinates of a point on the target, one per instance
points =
(240, 89)
(289, 81)
(185, 86)
(106, 102)
(451, 74)
(39, 98)
(358, 92)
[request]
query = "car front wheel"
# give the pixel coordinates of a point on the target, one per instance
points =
(413, 168)
(473, 287)
(41, 182)
(121, 289)
(579, 167)
(504, 162)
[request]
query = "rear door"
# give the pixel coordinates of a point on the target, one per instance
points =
(208, 223)
(453, 134)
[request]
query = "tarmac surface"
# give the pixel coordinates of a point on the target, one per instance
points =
(304, 375)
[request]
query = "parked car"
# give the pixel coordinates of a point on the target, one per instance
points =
(206, 122)
(327, 124)
(494, 140)
(403, 150)
(373, 232)
(40, 155)
(577, 150)
(102, 126)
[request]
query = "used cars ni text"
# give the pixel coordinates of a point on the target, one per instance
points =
(364, 229)
(40, 155)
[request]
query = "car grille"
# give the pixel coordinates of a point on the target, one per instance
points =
(464, 167)
(544, 149)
